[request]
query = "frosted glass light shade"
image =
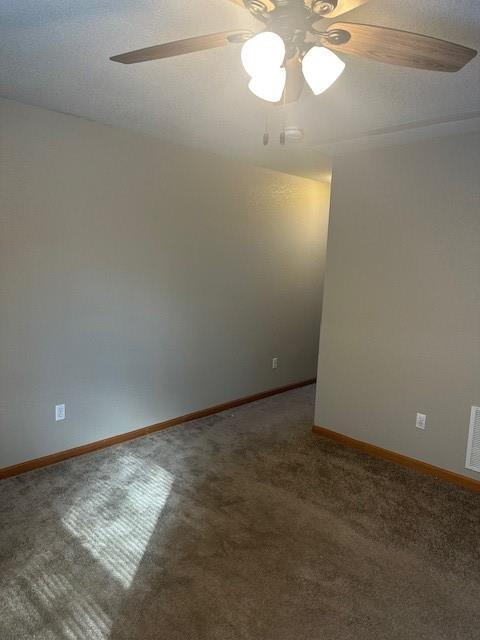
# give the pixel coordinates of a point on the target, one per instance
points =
(269, 85)
(321, 67)
(265, 51)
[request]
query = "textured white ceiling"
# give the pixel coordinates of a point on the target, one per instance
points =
(54, 53)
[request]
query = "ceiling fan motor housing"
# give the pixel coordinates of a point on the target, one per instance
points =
(291, 20)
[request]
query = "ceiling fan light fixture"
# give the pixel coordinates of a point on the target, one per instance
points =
(263, 53)
(269, 85)
(321, 68)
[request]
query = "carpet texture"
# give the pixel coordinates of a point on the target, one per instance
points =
(239, 526)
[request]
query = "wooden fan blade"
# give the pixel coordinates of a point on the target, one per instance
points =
(295, 82)
(338, 8)
(180, 47)
(399, 47)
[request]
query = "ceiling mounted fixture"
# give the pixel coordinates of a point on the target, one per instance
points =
(294, 134)
(294, 47)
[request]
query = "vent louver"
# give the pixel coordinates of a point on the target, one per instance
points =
(473, 448)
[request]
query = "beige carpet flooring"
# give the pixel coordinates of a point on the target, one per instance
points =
(241, 526)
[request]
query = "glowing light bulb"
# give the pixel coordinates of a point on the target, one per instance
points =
(269, 85)
(321, 67)
(265, 51)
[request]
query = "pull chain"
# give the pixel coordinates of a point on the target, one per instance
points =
(282, 134)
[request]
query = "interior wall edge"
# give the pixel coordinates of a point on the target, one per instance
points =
(398, 458)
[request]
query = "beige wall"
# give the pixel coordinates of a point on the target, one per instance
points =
(140, 281)
(401, 324)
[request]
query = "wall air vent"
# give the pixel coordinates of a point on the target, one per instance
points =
(473, 447)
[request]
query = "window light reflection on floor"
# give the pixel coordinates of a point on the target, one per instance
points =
(45, 602)
(114, 521)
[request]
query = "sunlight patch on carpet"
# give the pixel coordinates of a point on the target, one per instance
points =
(114, 522)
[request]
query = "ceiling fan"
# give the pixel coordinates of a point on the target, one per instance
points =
(294, 47)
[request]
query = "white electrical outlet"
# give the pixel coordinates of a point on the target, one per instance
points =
(421, 421)
(274, 363)
(59, 412)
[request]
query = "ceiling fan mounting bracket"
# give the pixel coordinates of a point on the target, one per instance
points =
(323, 7)
(257, 8)
(332, 36)
(337, 36)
